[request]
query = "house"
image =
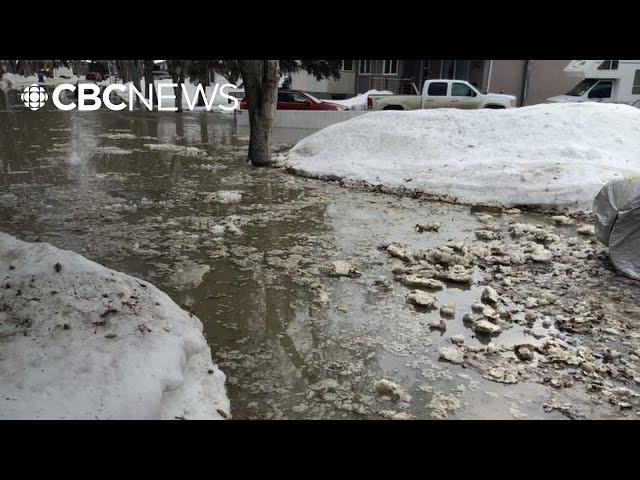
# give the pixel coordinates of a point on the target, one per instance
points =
(531, 81)
(328, 88)
(397, 76)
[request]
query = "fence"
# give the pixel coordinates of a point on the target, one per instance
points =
(312, 120)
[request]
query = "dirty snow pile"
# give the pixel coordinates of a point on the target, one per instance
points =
(78, 340)
(359, 102)
(228, 196)
(182, 150)
(551, 155)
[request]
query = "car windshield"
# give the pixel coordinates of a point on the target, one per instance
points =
(581, 88)
(313, 98)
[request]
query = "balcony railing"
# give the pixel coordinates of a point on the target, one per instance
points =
(399, 86)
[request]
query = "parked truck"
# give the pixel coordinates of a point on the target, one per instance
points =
(442, 94)
(610, 81)
(395, 102)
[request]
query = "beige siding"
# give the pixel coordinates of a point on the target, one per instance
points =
(548, 79)
(326, 87)
(507, 77)
(346, 84)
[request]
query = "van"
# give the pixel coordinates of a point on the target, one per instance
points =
(610, 81)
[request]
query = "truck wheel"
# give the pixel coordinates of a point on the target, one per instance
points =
(393, 107)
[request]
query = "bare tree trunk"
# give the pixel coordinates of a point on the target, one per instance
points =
(207, 73)
(123, 70)
(135, 79)
(177, 74)
(179, 90)
(148, 81)
(204, 79)
(260, 79)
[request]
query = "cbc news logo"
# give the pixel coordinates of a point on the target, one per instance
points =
(34, 96)
(90, 96)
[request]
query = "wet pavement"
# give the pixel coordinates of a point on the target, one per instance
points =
(169, 198)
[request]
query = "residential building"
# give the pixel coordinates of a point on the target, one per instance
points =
(531, 81)
(328, 88)
(397, 76)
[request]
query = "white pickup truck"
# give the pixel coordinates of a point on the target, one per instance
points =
(442, 94)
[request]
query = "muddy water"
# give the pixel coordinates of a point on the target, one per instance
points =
(249, 262)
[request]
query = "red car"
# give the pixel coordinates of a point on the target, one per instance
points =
(93, 77)
(298, 100)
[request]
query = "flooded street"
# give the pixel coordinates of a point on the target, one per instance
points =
(170, 199)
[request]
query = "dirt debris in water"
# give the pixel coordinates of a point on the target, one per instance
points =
(531, 321)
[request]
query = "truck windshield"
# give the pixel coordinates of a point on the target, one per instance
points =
(581, 88)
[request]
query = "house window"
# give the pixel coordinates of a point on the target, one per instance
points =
(462, 70)
(448, 69)
(390, 67)
(347, 66)
(636, 84)
(609, 65)
(365, 67)
(455, 69)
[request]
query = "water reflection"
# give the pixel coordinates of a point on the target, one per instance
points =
(89, 181)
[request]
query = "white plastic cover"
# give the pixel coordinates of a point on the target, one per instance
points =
(617, 211)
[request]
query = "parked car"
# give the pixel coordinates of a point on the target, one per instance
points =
(298, 100)
(161, 75)
(93, 77)
(90, 77)
(607, 81)
(442, 94)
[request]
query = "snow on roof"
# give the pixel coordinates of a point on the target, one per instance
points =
(551, 155)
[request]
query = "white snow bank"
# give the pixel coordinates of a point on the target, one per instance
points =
(18, 82)
(78, 340)
(550, 155)
(359, 102)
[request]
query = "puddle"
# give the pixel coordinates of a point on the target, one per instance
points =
(245, 250)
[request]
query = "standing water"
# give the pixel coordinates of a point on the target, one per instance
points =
(170, 199)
